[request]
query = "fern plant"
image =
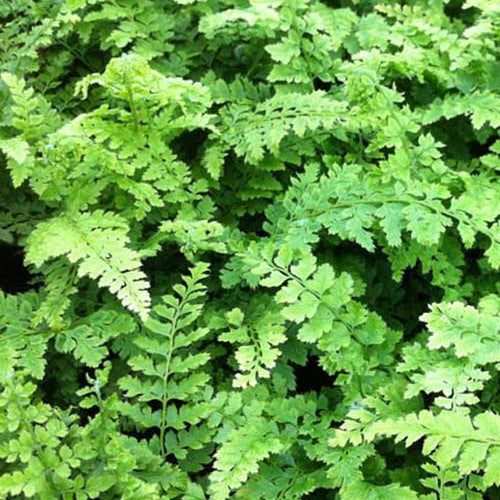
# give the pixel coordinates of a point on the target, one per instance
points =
(168, 372)
(250, 249)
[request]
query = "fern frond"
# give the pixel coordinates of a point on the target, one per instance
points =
(258, 331)
(168, 371)
(97, 243)
(241, 453)
(277, 117)
(354, 213)
(22, 346)
(452, 437)
(461, 352)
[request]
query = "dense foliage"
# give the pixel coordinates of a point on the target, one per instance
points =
(262, 240)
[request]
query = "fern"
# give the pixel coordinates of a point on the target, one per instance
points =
(47, 453)
(97, 243)
(334, 165)
(468, 337)
(275, 118)
(259, 332)
(266, 431)
(243, 449)
(417, 208)
(23, 347)
(321, 304)
(170, 374)
(453, 438)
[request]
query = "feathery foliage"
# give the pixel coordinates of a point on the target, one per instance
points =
(250, 249)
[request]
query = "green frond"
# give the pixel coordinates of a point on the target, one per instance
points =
(97, 243)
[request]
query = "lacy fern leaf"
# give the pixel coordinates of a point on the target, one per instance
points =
(169, 372)
(97, 242)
